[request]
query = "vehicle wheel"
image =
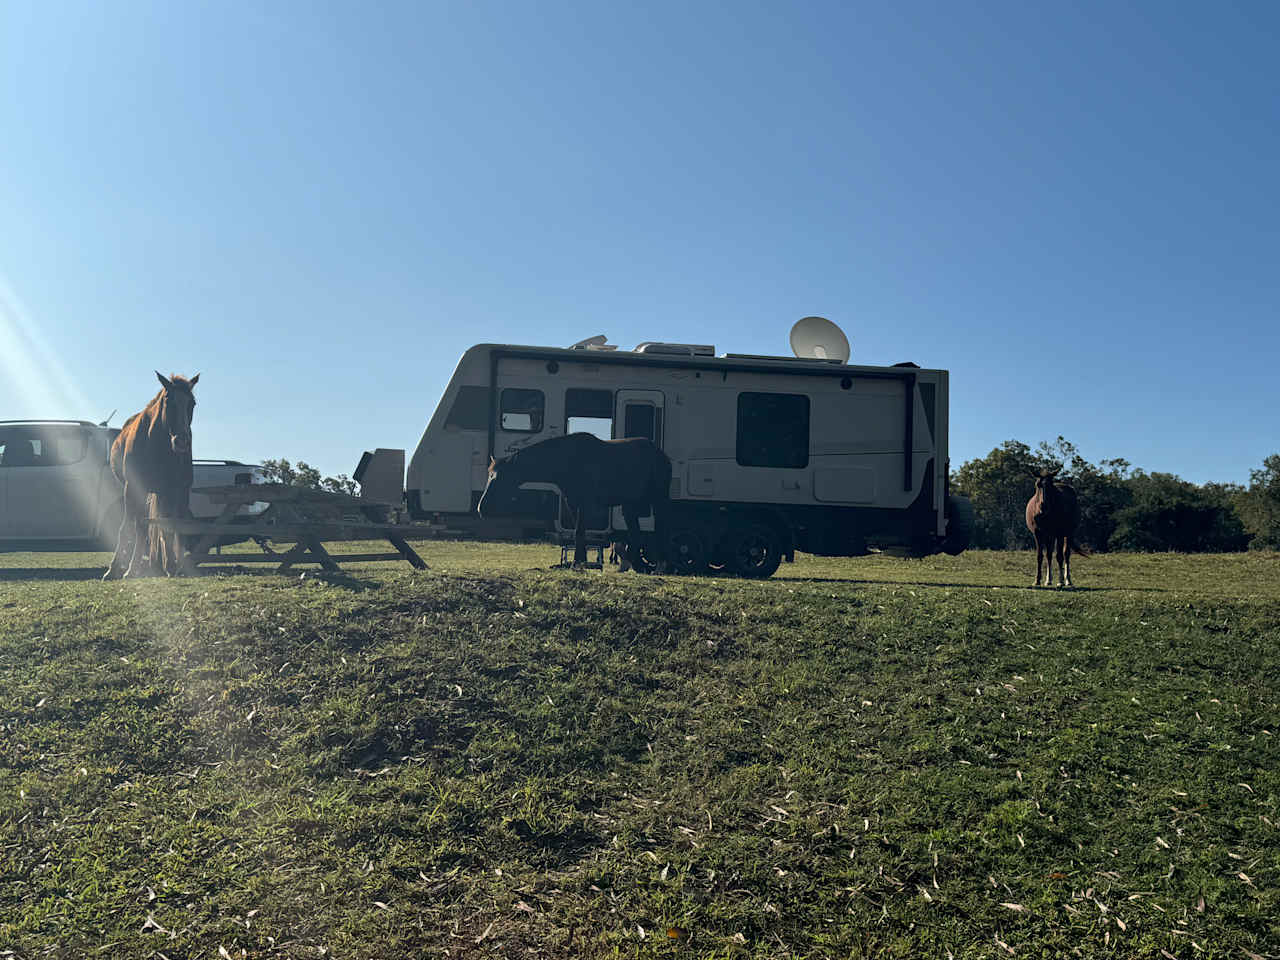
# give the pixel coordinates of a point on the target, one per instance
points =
(686, 552)
(754, 551)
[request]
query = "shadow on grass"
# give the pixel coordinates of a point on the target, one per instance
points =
(335, 578)
(970, 586)
(85, 574)
(13, 574)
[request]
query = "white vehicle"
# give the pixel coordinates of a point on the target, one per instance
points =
(769, 454)
(56, 484)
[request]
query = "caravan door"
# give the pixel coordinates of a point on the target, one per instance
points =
(639, 413)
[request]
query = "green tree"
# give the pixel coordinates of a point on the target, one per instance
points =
(305, 475)
(999, 486)
(1169, 513)
(1102, 491)
(1259, 506)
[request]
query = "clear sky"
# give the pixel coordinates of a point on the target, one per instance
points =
(1075, 208)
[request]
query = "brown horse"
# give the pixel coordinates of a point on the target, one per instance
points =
(152, 459)
(1052, 514)
(590, 472)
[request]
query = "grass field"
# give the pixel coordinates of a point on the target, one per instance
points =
(869, 757)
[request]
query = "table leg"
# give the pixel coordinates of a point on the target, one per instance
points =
(321, 554)
(292, 556)
(408, 552)
(199, 551)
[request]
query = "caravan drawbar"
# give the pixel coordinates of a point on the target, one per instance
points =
(769, 455)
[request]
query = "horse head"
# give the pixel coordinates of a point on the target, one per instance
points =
(499, 495)
(177, 406)
(1045, 480)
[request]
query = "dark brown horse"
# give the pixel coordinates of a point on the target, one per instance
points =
(1052, 514)
(590, 472)
(152, 459)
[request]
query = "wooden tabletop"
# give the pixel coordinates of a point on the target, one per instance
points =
(283, 493)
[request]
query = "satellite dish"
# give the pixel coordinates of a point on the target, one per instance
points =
(817, 338)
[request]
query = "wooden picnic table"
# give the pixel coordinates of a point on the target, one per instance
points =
(297, 515)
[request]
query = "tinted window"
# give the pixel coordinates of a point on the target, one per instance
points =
(773, 430)
(522, 410)
(588, 411)
(470, 409)
(42, 446)
(588, 403)
(643, 420)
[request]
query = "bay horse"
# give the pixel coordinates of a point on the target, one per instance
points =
(152, 460)
(1052, 514)
(632, 473)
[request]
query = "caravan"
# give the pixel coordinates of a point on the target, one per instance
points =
(769, 454)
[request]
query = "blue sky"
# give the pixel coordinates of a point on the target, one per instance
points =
(1073, 208)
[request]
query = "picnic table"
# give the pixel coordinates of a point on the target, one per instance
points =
(298, 515)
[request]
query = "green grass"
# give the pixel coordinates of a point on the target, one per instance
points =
(869, 757)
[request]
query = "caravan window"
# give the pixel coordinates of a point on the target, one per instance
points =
(588, 411)
(470, 411)
(773, 430)
(522, 410)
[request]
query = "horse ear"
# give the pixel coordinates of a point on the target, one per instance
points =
(193, 380)
(165, 383)
(1033, 474)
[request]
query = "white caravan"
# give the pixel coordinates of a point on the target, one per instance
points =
(769, 454)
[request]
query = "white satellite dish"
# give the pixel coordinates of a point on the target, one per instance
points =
(817, 338)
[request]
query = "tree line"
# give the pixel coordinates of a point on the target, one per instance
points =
(1122, 507)
(305, 475)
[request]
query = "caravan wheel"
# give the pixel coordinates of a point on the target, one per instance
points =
(755, 551)
(686, 552)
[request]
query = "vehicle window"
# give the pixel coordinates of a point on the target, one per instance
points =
(42, 447)
(773, 430)
(522, 410)
(470, 409)
(61, 446)
(588, 411)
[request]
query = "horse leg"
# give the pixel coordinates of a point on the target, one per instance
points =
(172, 506)
(1059, 542)
(580, 537)
(140, 561)
(1066, 552)
(1039, 555)
(136, 558)
(159, 539)
(631, 514)
(124, 541)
